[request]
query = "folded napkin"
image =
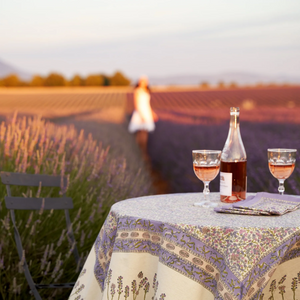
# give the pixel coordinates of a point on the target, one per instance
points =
(263, 204)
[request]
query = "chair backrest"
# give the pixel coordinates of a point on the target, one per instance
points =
(30, 203)
(22, 179)
(32, 179)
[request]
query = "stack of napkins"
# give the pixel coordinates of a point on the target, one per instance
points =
(263, 204)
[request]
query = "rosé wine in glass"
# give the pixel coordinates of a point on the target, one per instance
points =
(206, 165)
(206, 173)
(281, 165)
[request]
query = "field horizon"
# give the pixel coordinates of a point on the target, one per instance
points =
(186, 103)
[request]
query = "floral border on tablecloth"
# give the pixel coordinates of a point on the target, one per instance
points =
(240, 270)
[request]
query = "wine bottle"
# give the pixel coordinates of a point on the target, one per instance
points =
(233, 169)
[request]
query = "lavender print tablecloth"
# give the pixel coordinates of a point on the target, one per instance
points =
(163, 247)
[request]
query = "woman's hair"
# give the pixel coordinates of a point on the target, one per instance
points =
(138, 85)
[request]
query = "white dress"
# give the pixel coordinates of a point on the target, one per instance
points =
(142, 118)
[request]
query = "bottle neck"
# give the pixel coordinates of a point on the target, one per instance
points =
(234, 120)
(234, 150)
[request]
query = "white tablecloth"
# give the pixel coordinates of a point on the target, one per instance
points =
(163, 247)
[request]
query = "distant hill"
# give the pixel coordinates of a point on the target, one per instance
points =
(6, 69)
(241, 78)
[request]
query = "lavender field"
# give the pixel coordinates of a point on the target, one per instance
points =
(99, 174)
(171, 145)
(88, 141)
(270, 118)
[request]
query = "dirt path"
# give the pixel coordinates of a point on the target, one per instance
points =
(110, 128)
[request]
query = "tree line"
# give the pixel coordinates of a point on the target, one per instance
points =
(56, 79)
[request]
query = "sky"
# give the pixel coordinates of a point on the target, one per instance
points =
(158, 37)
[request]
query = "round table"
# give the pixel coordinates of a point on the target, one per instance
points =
(163, 247)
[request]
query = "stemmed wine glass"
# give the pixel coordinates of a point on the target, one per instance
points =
(281, 165)
(206, 164)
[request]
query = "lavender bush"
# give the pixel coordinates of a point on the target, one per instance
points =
(98, 177)
(171, 146)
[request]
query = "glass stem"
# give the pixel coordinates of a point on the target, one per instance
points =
(281, 188)
(206, 190)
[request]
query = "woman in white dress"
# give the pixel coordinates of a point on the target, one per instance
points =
(143, 117)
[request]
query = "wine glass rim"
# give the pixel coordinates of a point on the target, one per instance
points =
(207, 151)
(281, 150)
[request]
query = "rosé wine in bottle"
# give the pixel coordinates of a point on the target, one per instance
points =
(233, 170)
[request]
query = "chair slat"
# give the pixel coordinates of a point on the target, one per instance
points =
(32, 179)
(36, 203)
(55, 286)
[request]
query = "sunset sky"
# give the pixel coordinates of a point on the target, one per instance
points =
(156, 37)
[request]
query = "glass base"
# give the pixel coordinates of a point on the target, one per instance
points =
(206, 204)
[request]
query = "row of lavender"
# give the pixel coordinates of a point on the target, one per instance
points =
(171, 145)
(98, 177)
(197, 100)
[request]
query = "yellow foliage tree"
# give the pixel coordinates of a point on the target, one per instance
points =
(118, 79)
(76, 81)
(55, 79)
(204, 85)
(11, 81)
(37, 80)
(221, 85)
(94, 80)
(233, 85)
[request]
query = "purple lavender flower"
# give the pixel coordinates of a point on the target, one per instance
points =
(44, 260)
(108, 279)
(162, 296)
(281, 290)
(143, 282)
(294, 284)
(112, 289)
(156, 287)
(146, 287)
(109, 275)
(133, 286)
(126, 292)
(120, 284)
(2, 263)
(281, 281)
(154, 280)
(80, 289)
(272, 286)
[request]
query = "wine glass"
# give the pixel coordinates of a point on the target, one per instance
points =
(206, 164)
(281, 165)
